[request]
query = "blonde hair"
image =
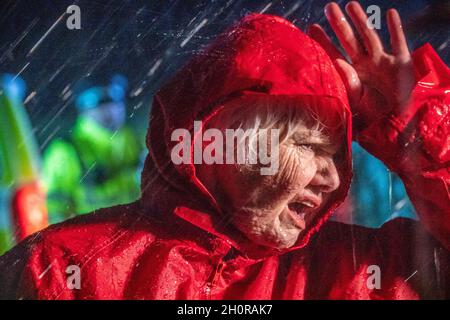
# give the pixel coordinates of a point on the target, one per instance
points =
(276, 113)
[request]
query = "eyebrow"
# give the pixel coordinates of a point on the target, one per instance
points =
(312, 134)
(317, 138)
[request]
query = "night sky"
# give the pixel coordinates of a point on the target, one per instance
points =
(147, 41)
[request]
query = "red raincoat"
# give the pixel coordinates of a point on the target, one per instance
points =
(174, 243)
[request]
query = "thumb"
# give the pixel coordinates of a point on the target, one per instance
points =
(351, 80)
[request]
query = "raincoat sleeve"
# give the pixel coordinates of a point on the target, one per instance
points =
(34, 269)
(13, 272)
(415, 143)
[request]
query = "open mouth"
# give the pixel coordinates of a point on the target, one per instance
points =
(300, 210)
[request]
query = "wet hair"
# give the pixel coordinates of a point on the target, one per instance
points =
(277, 113)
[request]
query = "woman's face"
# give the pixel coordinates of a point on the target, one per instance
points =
(274, 210)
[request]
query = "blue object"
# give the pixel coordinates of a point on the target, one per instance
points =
(13, 86)
(377, 195)
(95, 96)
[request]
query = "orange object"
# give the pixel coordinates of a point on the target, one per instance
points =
(29, 212)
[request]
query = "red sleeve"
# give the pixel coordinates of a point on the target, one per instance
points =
(415, 143)
(13, 265)
(34, 269)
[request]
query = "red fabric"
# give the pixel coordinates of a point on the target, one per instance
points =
(29, 210)
(175, 243)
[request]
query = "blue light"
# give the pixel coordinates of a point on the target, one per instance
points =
(116, 90)
(89, 98)
(13, 86)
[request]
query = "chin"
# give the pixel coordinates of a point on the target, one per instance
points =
(277, 242)
(278, 234)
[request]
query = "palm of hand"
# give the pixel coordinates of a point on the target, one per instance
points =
(377, 82)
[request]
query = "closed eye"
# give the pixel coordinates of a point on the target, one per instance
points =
(306, 146)
(322, 149)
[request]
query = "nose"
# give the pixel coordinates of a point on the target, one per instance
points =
(326, 178)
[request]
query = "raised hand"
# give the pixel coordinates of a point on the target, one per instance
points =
(377, 81)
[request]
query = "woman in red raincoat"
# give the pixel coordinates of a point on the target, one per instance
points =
(193, 234)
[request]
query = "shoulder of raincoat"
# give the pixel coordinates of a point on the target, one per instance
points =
(175, 242)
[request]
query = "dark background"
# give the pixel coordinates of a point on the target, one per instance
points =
(142, 40)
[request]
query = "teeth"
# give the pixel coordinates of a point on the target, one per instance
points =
(308, 204)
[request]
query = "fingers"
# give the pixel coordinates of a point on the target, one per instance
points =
(371, 42)
(343, 31)
(398, 40)
(317, 33)
(368, 35)
(345, 70)
(351, 80)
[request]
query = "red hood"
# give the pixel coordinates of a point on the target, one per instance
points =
(262, 55)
